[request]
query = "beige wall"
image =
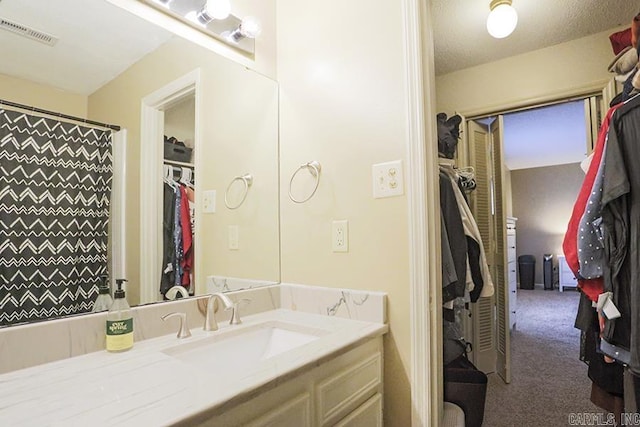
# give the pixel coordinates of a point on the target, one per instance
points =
(180, 121)
(543, 200)
(42, 96)
(239, 134)
(524, 77)
(342, 103)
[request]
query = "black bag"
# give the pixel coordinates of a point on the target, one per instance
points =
(466, 386)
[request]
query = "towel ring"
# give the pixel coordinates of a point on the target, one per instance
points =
(314, 168)
(247, 180)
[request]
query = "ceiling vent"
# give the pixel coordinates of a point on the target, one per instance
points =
(30, 33)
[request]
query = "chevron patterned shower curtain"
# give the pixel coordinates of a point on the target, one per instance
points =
(55, 187)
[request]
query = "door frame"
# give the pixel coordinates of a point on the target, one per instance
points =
(118, 208)
(605, 88)
(151, 159)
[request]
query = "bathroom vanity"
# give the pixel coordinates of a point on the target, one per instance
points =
(281, 366)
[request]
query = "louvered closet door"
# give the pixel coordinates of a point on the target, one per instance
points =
(483, 336)
(500, 255)
(594, 108)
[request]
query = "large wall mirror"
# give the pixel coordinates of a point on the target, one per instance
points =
(105, 62)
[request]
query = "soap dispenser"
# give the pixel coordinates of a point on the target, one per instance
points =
(119, 322)
(104, 300)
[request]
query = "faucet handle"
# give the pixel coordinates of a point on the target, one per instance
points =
(184, 331)
(235, 311)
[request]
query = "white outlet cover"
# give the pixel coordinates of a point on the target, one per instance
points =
(340, 236)
(387, 179)
(209, 201)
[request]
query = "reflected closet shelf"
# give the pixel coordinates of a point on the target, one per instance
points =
(173, 162)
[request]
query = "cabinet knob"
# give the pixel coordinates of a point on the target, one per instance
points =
(513, 292)
(513, 271)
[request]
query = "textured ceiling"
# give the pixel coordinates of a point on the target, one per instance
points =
(461, 39)
(98, 41)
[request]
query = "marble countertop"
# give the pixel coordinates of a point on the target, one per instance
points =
(145, 386)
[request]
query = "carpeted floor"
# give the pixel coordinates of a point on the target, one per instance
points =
(548, 380)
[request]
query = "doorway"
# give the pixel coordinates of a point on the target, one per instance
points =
(539, 189)
(183, 91)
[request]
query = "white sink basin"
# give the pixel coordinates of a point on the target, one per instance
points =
(241, 347)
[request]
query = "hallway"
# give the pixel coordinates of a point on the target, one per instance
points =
(549, 382)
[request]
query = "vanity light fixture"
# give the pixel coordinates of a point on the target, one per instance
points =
(213, 18)
(214, 9)
(502, 19)
(211, 9)
(249, 28)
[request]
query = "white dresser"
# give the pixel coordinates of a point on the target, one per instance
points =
(511, 270)
(565, 275)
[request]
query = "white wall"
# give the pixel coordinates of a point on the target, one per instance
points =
(341, 70)
(543, 200)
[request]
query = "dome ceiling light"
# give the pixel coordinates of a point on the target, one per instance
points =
(502, 19)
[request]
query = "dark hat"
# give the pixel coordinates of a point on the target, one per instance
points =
(448, 134)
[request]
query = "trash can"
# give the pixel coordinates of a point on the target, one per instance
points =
(527, 271)
(547, 271)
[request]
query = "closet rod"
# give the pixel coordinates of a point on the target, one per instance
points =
(56, 114)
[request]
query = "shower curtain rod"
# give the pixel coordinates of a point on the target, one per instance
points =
(56, 114)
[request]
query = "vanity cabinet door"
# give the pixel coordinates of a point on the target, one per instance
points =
(368, 414)
(346, 390)
(348, 384)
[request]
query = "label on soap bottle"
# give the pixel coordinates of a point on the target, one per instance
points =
(119, 334)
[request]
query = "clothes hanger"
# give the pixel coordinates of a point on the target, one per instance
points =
(186, 177)
(168, 176)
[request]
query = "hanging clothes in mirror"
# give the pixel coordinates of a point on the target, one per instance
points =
(178, 229)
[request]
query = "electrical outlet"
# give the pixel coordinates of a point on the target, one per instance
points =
(340, 236)
(234, 237)
(209, 201)
(387, 179)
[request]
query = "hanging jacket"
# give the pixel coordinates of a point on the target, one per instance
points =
(470, 227)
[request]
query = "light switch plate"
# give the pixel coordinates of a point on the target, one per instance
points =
(209, 201)
(388, 179)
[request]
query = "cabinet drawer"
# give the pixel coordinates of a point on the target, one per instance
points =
(368, 414)
(341, 393)
(567, 277)
(511, 248)
(294, 413)
(511, 271)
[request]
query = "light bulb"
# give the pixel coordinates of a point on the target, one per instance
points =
(250, 27)
(218, 9)
(502, 21)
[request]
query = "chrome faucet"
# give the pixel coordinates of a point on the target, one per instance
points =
(210, 323)
(184, 331)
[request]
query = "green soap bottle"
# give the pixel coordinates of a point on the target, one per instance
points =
(119, 322)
